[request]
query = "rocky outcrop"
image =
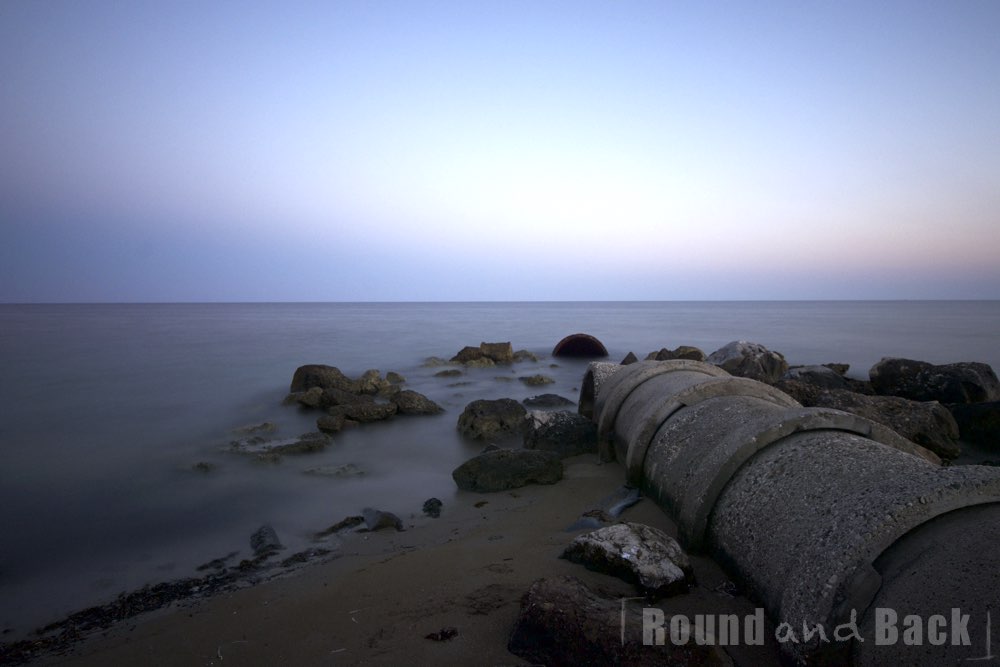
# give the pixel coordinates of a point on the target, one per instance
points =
(503, 469)
(637, 553)
(926, 423)
(563, 622)
(563, 432)
(483, 419)
(681, 352)
(322, 376)
(979, 423)
(496, 353)
(966, 382)
(750, 360)
(409, 402)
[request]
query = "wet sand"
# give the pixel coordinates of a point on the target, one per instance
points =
(376, 603)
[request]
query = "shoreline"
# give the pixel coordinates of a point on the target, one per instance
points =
(383, 593)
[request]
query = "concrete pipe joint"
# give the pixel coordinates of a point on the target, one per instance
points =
(831, 521)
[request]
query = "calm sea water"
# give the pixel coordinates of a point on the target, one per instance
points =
(105, 408)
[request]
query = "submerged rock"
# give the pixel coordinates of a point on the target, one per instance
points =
(265, 541)
(637, 553)
(547, 401)
(432, 507)
(536, 380)
(364, 412)
(345, 470)
(378, 519)
(504, 469)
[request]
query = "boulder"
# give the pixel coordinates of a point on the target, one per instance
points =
(525, 355)
(565, 433)
(481, 362)
(929, 424)
(681, 352)
(978, 423)
(377, 519)
(630, 358)
(307, 443)
(750, 360)
(563, 622)
(371, 382)
(394, 378)
(333, 396)
(501, 353)
(839, 369)
(265, 542)
(364, 412)
(579, 345)
(504, 469)
(331, 423)
(432, 507)
(310, 398)
(637, 553)
(820, 376)
(467, 354)
(547, 401)
(320, 375)
(409, 402)
(966, 382)
(484, 419)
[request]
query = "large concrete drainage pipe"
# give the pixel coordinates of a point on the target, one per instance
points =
(814, 510)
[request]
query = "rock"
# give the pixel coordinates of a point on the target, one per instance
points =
(265, 542)
(637, 553)
(839, 369)
(333, 396)
(750, 360)
(365, 412)
(377, 519)
(343, 524)
(508, 469)
(547, 401)
(630, 358)
(311, 398)
(562, 622)
(203, 467)
(371, 382)
(307, 443)
(330, 423)
(536, 380)
(481, 362)
(978, 423)
(322, 376)
(501, 353)
(394, 378)
(432, 362)
(579, 345)
(345, 470)
(467, 354)
(484, 419)
(448, 373)
(525, 355)
(409, 402)
(565, 433)
(821, 376)
(966, 382)
(928, 424)
(444, 634)
(432, 507)
(682, 352)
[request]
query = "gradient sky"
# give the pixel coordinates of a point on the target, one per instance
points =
(354, 151)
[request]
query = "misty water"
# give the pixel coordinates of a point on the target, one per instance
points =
(107, 408)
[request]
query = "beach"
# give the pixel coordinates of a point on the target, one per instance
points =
(378, 600)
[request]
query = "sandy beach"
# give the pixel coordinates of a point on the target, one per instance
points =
(377, 602)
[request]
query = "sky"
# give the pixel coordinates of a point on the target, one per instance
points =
(465, 151)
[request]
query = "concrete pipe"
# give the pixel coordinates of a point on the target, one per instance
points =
(816, 511)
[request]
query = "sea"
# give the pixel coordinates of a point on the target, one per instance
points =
(107, 410)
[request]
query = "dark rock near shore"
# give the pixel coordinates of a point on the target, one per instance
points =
(978, 423)
(681, 352)
(409, 402)
(307, 443)
(562, 622)
(750, 360)
(322, 376)
(525, 355)
(630, 358)
(372, 383)
(966, 382)
(365, 412)
(927, 423)
(378, 519)
(265, 541)
(563, 432)
(343, 524)
(547, 401)
(637, 553)
(467, 354)
(820, 376)
(536, 380)
(331, 423)
(432, 507)
(484, 419)
(504, 469)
